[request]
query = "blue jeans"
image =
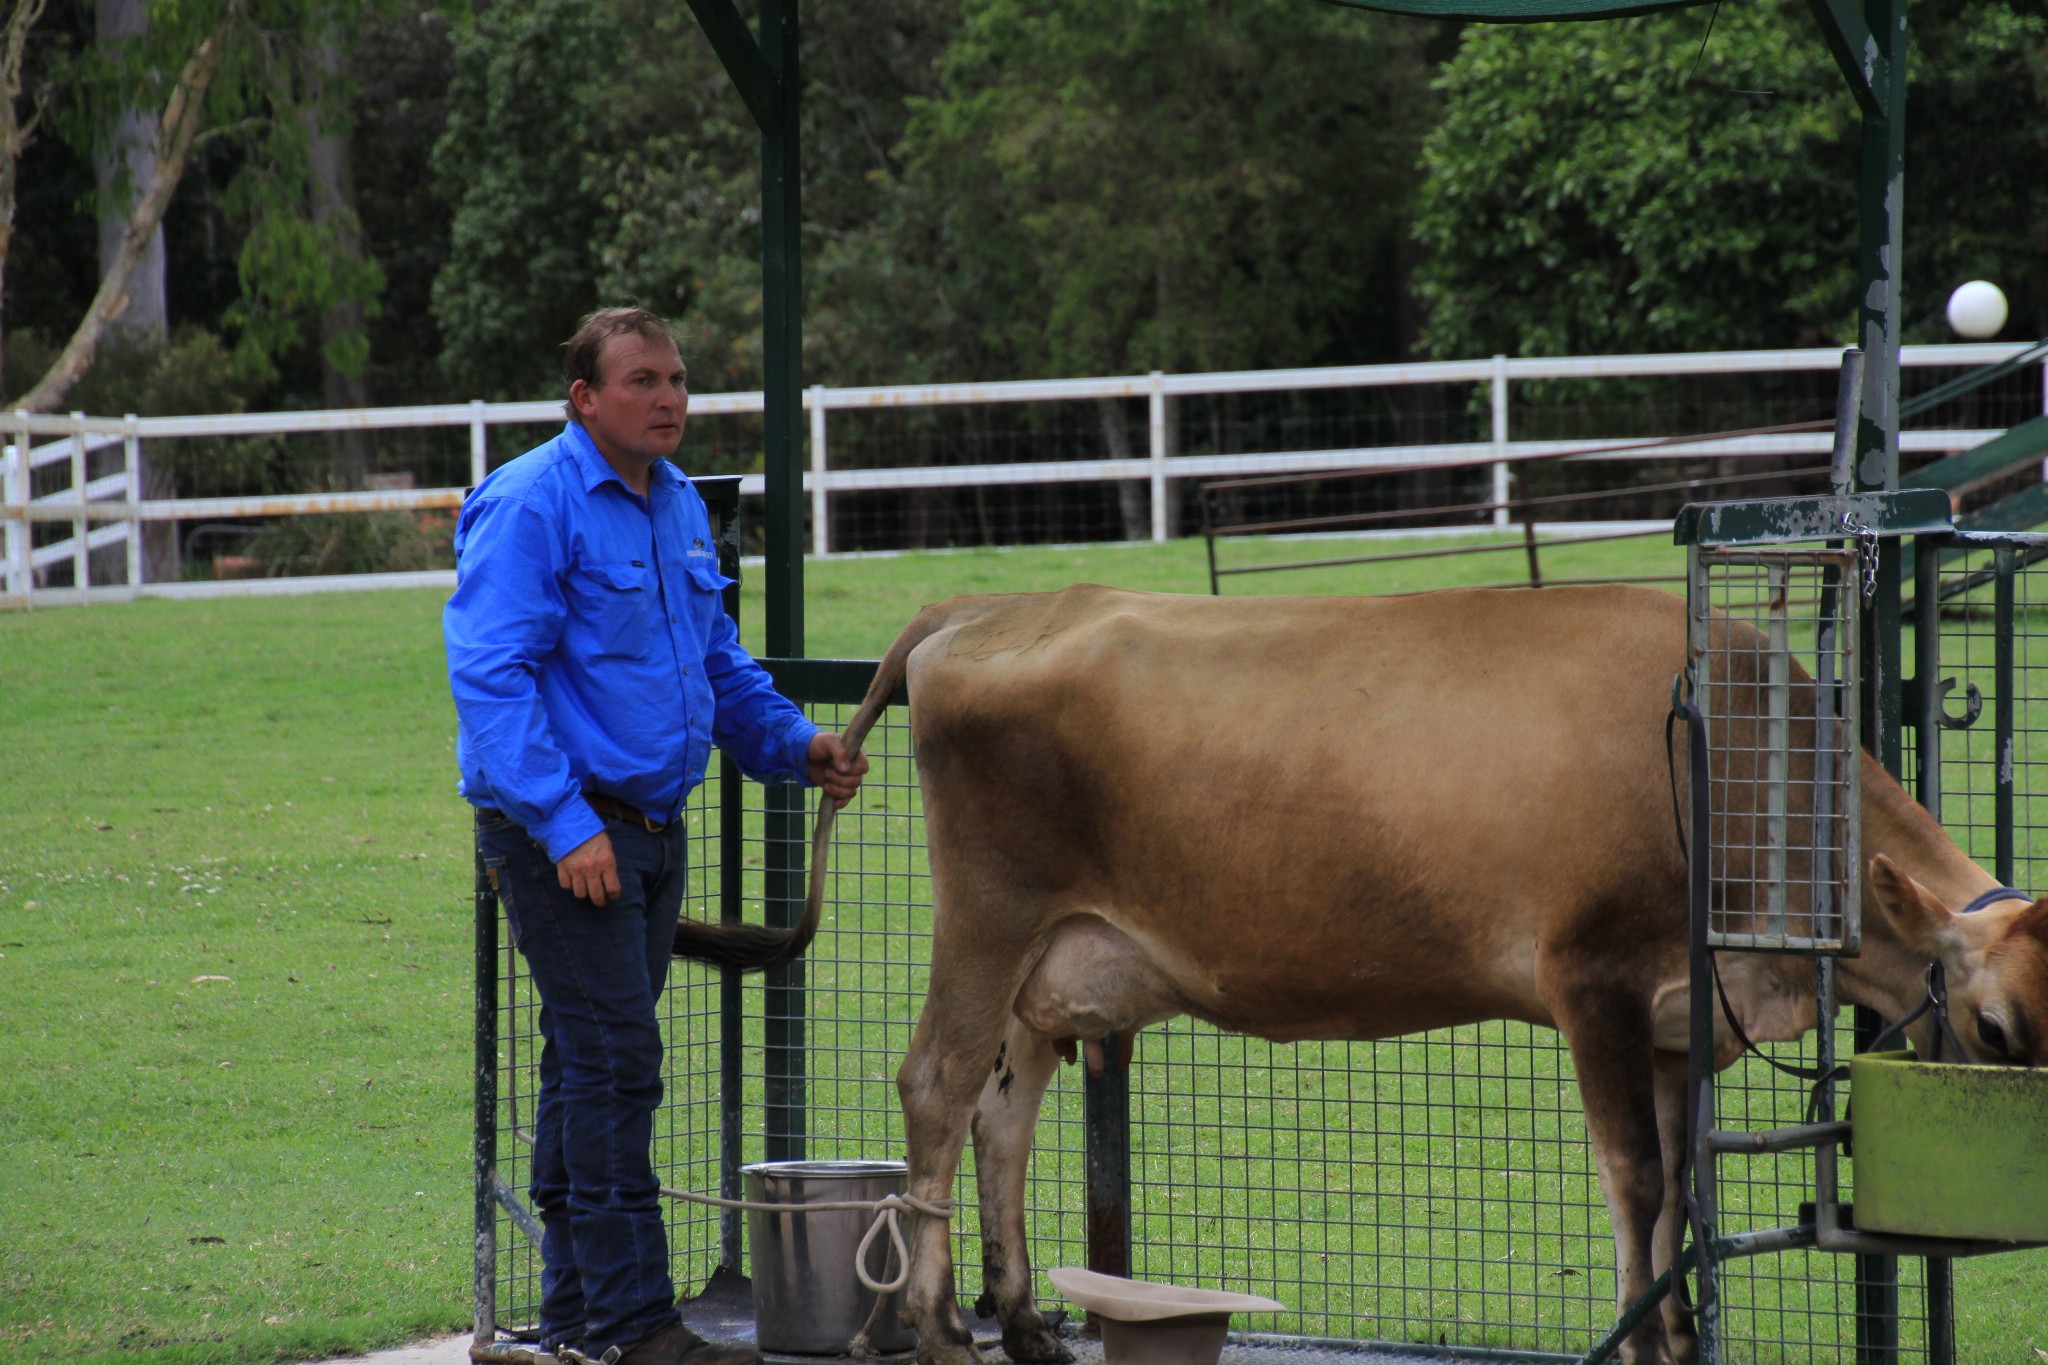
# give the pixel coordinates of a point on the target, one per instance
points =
(599, 972)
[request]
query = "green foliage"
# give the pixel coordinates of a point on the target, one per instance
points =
(192, 373)
(1172, 184)
(518, 139)
(1584, 196)
(1637, 185)
(1977, 142)
(1010, 190)
(372, 542)
(277, 78)
(292, 270)
(637, 180)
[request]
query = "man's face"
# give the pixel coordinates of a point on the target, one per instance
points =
(635, 411)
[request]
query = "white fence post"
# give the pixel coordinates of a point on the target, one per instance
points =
(20, 578)
(479, 447)
(81, 545)
(821, 522)
(1156, 410)
(131, 454)
(1500, 440)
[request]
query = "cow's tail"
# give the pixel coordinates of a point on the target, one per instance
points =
(741, 947)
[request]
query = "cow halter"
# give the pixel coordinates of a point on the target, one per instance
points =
(1936, 999)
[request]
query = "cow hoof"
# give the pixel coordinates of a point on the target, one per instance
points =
(1034, 1344)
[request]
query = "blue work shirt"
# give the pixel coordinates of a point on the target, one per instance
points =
(589, 649)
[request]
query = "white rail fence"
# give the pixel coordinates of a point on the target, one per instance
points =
(111, 510)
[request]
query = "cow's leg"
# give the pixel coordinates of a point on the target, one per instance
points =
(1679, 1330)
(1609, 1035)
(950, 1056)
(1004, 1123)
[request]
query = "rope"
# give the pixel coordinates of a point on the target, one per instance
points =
(887, 1211)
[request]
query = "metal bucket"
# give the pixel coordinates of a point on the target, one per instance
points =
(807, 1298)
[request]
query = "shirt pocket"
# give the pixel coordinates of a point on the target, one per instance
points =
(615, 604)
(704, 574)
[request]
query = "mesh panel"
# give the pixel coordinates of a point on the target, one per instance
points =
(1781, 743)
(2008, 690)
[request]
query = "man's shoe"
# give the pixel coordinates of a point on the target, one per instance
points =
(678, 1345)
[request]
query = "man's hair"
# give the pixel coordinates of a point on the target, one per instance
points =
(582, 352)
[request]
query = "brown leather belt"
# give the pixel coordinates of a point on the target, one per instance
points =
(619, 810)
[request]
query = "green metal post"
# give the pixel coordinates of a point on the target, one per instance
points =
(1880, 253)
(484, 1301)
(1106, 1118)
(782, 334)
(1880, 258)
(783, 433)
(732, 852)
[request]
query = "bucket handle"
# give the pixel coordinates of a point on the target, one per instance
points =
(886, 1211)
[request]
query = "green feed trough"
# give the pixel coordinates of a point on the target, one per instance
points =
(1949, 1151)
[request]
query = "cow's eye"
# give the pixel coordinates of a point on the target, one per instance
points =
(1992, 1034)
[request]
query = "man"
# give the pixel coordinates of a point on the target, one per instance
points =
(593, 668)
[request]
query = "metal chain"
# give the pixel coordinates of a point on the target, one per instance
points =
(1866, 539)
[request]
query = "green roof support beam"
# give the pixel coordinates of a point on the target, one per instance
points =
(1999, 456)
(765, 74)
(740, 56)
(1856, 51)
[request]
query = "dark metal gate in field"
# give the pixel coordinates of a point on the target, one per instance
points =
(1435, 1192)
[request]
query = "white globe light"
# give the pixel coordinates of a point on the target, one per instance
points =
(1977, 310)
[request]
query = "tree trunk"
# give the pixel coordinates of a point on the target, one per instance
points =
(124, 167)
(15, 129)
(1132, 500)
(349, 453)
(179, 128)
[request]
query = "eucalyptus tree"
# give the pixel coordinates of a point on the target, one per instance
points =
(196, 73)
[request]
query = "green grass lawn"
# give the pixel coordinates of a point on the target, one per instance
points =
(235, 953)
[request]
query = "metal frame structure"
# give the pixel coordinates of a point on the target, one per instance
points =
(1778, 538)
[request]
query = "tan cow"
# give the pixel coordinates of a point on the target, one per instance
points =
(1348, 818)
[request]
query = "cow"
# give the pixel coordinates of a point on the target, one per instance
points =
(1350, 818)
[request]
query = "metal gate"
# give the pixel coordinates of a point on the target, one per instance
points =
(1434, 1193)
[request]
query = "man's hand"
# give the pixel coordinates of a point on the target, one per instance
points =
(832, 769)
(590, 871)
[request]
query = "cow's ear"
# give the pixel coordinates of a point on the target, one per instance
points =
(1921, 921)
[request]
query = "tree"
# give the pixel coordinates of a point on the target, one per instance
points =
(214, 70)
(1174, 184)
(519, 268)
(1642, 185)
(639, 180)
